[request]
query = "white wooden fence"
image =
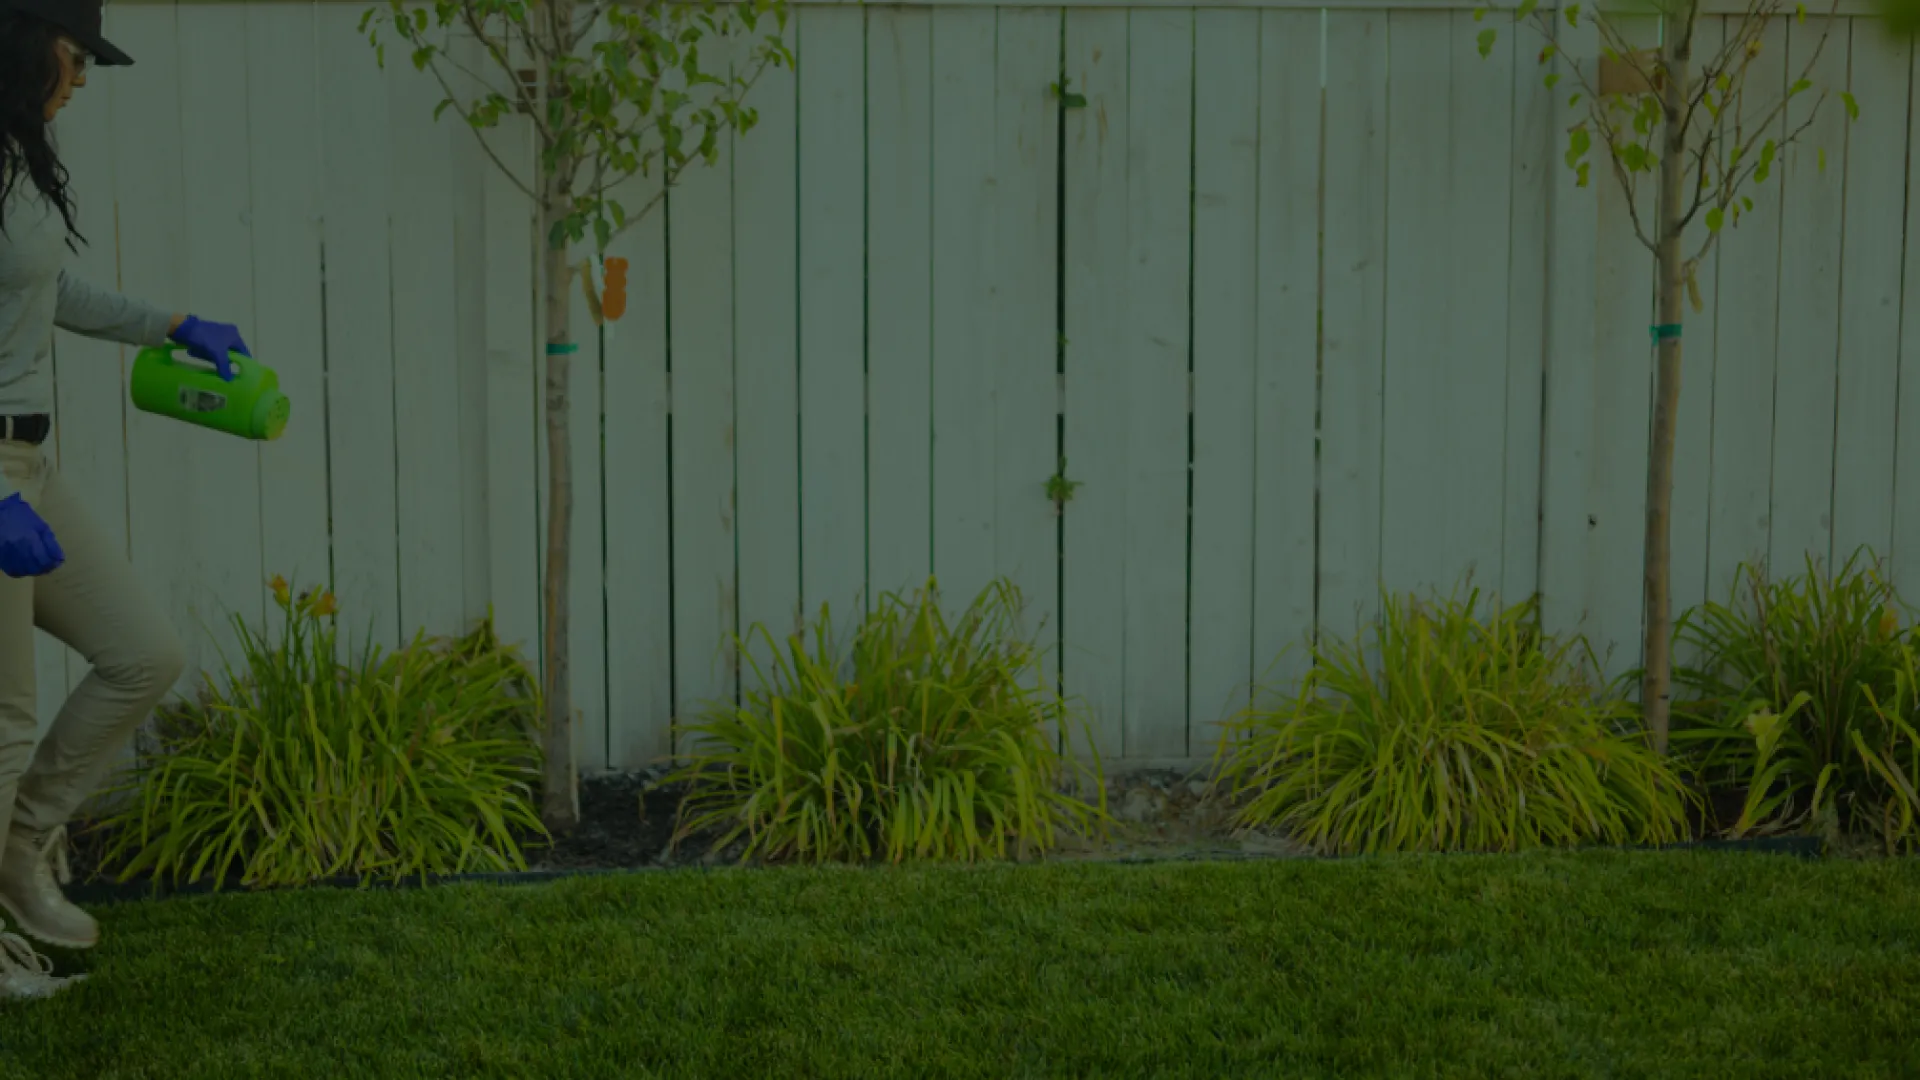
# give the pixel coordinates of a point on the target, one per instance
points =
(1307, 348)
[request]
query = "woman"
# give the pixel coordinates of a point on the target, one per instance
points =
(58, 570)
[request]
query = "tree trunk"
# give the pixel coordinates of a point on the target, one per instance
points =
(560, 805)
(1656, 684)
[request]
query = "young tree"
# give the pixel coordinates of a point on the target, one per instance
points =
(615, 89)
(1694, 130)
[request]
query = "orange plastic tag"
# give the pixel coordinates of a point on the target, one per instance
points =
(613, 302)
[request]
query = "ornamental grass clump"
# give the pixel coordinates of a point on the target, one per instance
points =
(1442, 729)
(927, 738)
(296, 767)
(1802, 697)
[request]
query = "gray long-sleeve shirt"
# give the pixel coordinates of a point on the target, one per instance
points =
(37, 294)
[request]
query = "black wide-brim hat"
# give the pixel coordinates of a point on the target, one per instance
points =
(79, 20)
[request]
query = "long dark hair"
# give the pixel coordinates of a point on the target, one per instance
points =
(29, 71)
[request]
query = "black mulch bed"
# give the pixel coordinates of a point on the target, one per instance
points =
(628, 819)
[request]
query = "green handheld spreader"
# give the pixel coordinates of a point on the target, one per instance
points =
(188, 389)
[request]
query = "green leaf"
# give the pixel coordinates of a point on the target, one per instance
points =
(1552, 78)
(1578, 143)
(1581, 175)
(440, 108)
(1716, 217)
(1479, 13)
(1799, 87)
(1821, 155)
(1573, 15)
(1062, 92)
(1853, 106)
(1526, 8)
(1486, 41)
(1746, 203)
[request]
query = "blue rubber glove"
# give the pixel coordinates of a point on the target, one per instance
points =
(27, 546)
(211, 341)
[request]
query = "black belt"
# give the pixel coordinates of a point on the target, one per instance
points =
(32, 429)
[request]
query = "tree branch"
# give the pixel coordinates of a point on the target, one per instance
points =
(477, 130)
(499, 51)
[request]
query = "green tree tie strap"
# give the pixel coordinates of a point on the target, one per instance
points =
(563, 350)
(1665, 331)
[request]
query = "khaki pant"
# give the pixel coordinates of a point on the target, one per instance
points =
(99, 608)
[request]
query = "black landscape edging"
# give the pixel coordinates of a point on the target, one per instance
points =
(111, 892)
(1803, 847)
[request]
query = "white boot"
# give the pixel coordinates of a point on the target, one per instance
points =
(25, 974)
(32, 869)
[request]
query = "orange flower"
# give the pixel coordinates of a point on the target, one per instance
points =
(279, 587)
(325, 604)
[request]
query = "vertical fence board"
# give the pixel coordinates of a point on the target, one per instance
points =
(1812, 177)
(700, 258)
(588, 644)
(766, 354)
(512, 418)
(151, 201)
(1157, 358)
(1093, 567)
(1448, 212)
(832, 41)
(1906, 469)
(1620, 397)
(1418, 359)
(1353, 302)
(639, 573)
(1747, 350)
(1533, 167)
(899, 298)
(1869, 362)
(1026, 378)
(358, 202)
(1568, 432)
(468, 185)
(1693, 439)
(426, 361)
(1226, 277)
(1478, 314)
(1287, 395)
(290, 330)
(225, 472)
(964, 300)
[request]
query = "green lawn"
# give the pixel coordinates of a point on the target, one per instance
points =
(1597, 964)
